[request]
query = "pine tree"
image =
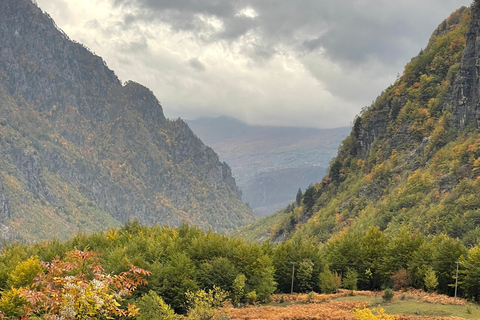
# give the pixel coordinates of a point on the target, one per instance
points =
(299, 196)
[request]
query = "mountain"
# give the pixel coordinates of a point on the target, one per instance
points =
(80, 151)
(412, 158)
(270, 164)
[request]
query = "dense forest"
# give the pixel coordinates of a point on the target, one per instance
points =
(185, 262)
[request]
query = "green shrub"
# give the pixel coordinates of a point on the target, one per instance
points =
(388, 295)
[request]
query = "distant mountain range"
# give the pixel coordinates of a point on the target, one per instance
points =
(270, 164)
(80, 151)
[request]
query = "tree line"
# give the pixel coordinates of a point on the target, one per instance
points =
(181, 262)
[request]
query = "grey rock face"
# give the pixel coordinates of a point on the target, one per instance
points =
(376, 127)
(465, 96)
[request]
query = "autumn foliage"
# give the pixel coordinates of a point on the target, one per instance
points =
(78, 288)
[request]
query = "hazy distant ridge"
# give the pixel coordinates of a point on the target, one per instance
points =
(270, 163)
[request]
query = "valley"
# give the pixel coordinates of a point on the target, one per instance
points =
(108, 209)
(270, 164)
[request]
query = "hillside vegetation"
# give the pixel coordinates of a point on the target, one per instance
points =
(80, 151)
(411, 159)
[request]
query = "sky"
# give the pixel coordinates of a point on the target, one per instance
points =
(310, 63)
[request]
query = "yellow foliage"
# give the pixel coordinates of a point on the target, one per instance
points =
(112, 234)
(203, 304)
(24, 273)
(12, 303)
(367, 314)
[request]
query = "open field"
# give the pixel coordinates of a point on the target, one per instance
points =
(411, 305)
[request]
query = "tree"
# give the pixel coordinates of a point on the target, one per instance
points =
(400, 250)
(327, 281)
(471, 273)
(295, 250)
(445, 252)
(238, 289)
(176, 279)
(309, 198)
(350, 279)
(335, 170)
(388, 295)
(431, 281)
(304, 275)
(152, 307)
(342, 250)
(24, 273)
(373, 246)
(401, 280)
(12, 304)
(11, 301)
(219, 271)
(299, 196)
(79, 289)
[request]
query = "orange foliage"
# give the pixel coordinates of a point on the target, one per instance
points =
(335, 310)
(431, 297)
(66, 291)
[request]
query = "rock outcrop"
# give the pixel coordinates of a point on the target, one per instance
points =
(465, 96)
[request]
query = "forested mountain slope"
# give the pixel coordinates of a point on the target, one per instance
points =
(270, 163)
(412, 158)
(79, 151)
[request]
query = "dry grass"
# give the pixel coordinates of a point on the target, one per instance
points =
(316, 306)
(335, 310)
(306, 298)
(429, 297)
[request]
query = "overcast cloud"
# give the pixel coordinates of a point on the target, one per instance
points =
(271, 62)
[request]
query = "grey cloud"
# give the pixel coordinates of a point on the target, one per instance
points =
(214, 7)
(196, 64)
(237, 26)
(346, 31)
(327, 54)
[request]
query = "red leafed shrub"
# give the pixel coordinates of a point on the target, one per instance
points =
(78, 288)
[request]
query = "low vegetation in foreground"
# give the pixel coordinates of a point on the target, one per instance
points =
(359, 305)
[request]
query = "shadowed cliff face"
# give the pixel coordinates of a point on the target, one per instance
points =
(80, 150)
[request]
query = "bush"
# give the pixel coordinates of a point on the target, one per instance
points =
(11, 303)
(153, 307)
(367, 314)
(251, 297)
(388, 295)
(310, 297)
(401, 280)
(204, 305)
(71, 290)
